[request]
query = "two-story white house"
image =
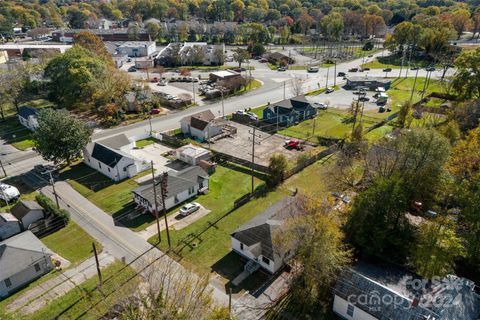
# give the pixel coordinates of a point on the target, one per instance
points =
(181, 186)
(255, 240)
(112, 158)
(23, 258)
(28, 117)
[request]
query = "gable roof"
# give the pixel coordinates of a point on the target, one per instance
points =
(115, 142)
(199, 120)
(19, 252)
(176, 183)
(258, 233)
(298, 102)
(26, 111)
(106, 155)
(22, 208)
(8, 217)
(367, 280)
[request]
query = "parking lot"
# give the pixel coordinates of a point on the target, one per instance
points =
(240, 146)
(342, 99)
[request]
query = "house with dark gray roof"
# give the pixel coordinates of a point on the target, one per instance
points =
(112, 158)
(202, 126)
(23, 258)
(9, 225)
(28, 117)
(27, 212)
(181, 186)
(255, 240)
(367, 291)
(289, 111)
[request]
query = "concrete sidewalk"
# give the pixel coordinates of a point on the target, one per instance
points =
(40, 295)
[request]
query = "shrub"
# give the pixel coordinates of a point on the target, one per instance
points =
(50, 207)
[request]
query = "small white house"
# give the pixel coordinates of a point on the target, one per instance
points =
(201, 126)
(255, 241)
(181, 186)
(192, 154)
(111, 157)
(23, 258)
(28, 117)
(27, 212)
(9, 226)
(137, 48)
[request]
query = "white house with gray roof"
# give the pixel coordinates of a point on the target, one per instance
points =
(27, 212)
(181, 186)
(28, 117)
(9, 225)
(112, 158)
(23, 258)
(255, 241)
(368, 292)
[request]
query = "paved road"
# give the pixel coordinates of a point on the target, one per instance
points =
(40, 295)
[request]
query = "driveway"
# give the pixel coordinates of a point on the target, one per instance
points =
(153, 152)
(342, 99)
(175, 221)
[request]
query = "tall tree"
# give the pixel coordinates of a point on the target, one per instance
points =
(60, 137)
(467, 77)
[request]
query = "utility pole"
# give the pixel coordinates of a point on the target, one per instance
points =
(414, 84)
(52, 183)
(230, 302)
(150, 122)
(313, 129)
(326, 82)
(278, 117)
(284, 87)
(3, 169)
(155, 201)
(335, 73)
(425, 85)
(99, 272)
(193, 91)
(223, 105)
(254, 135)
(163, 189)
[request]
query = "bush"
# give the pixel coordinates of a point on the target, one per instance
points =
(50, 207)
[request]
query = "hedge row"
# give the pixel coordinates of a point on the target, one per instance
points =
(51, 208)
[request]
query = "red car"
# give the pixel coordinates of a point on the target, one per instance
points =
(155, 111)
(293, 144)
(155, 79)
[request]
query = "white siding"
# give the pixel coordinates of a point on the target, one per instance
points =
(340, 307)
(236, 246)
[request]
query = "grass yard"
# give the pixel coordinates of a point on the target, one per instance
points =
(379, 133)
(207, 246)
(145, 142)
(395, 62)
(85, 301)
(72, 243)
(332, 123)
(99, 189)
(15, 134)
(428, 120)
(400, 90)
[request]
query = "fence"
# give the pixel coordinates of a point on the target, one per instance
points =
(309, 161)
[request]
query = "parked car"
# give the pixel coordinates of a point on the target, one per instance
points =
(366, 69)
(414, 68)
(312, 69)
(263, 60)
(8, 193)
(293, 144)
(44, 170)
(162, 83)
(154, 80)
(239, 69)
(364, 98)
(320, 105)
(431, 69)
(387, 70)
(282, 69)
(189, 208)
(353, 70)
(132, 69)
(329, 90)
(341, 74)
(155, 111)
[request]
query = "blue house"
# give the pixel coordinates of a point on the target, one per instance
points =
(289, 111)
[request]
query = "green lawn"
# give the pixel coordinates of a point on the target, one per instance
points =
(72, 243)
(395, 62)
(145, 142)
(254, 84)
(401, 88)
(85, 301)
(332, 123)
(378, 133)
(428, 120)
(206, 247)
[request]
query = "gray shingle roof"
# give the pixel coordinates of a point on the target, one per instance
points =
(106, 155)
(115, 142)
(199, 120)
(258, 232)
(22, 208)
(19, 252)
(26, 111)
(387, 282)
(177, 182)
(298, 102)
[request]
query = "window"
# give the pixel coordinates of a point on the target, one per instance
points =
(8, 283)
(191, 190)
(99, 165)
(265, 260)
(241, 246)
(176, 199)
(108, 169)
(350, 310)
(125, 169)
(37, 267)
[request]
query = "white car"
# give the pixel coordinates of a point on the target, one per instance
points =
(189, 208)
(8, 193)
